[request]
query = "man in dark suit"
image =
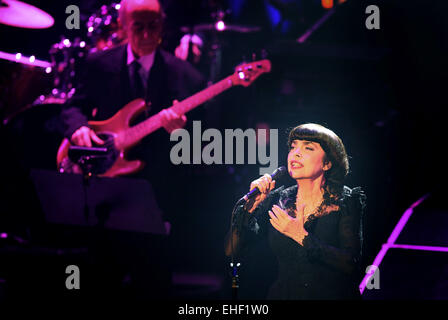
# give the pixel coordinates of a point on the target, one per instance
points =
(138, 69)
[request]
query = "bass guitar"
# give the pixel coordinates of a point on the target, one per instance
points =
(120, 137)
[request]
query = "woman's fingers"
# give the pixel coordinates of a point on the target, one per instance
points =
(265, 183)
(278, 222)
(275, 225)
(272, 215)
(272, 185)
(279, 212)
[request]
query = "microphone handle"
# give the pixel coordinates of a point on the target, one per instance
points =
(255, 191)
(252, 193)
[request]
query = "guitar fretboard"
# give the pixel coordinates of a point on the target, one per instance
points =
(134, 134)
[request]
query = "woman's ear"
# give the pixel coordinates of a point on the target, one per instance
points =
(327, 165)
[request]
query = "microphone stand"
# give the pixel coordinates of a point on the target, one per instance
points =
(235, 277)
(86, 167)
(235, 280)
(234, 266)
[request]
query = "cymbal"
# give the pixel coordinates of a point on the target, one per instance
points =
(19, 14)
(19, 58)
(220, 26)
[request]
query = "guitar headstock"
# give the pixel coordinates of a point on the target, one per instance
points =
(246, 73)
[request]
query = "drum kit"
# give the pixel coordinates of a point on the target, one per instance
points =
(35, 90)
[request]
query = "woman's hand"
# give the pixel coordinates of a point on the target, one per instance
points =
(289, 226)
(265, 184)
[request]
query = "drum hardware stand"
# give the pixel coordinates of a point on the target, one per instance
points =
(215, 52)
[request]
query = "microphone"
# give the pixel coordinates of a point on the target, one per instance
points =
(255, 191)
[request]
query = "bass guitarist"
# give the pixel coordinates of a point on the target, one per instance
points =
(138, 69)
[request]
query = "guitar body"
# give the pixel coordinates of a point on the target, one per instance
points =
(119, 137)
(109, 129)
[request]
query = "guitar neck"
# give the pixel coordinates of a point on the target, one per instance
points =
(134, 134)
(202, 96)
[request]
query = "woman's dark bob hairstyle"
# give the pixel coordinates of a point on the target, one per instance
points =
(334, 152)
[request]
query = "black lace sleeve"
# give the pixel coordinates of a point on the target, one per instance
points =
(250, 226)
(254, 222)
(346, 257)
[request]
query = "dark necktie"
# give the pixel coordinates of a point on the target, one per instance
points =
(139, 91)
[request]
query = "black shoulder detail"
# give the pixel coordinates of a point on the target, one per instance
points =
(290, 191)
(355, 197)
(279, 190)
(271, 198)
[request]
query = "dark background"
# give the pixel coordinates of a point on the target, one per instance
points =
(382, 91)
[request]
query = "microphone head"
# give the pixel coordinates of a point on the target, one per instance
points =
(279, 172)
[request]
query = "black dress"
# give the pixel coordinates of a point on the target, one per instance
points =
(327, 266)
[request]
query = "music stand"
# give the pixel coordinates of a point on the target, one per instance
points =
(126, 204)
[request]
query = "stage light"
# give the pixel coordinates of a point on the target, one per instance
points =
(327, 4)
(220, 25)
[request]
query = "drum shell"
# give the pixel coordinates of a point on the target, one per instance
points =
(20, 86)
